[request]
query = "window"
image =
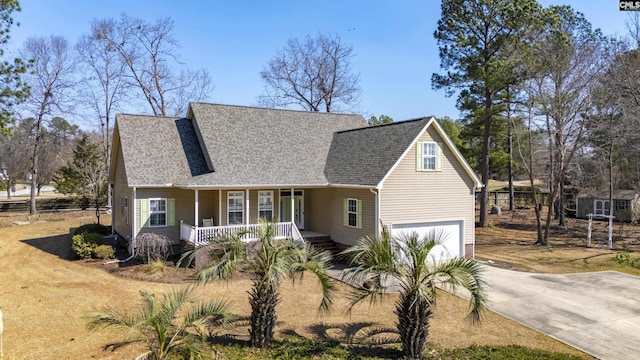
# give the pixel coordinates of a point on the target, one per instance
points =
(157, 212)
(265, 205)
(353, 213)
(429, 156)
(235, 207)
(622, 205)
(601, 207)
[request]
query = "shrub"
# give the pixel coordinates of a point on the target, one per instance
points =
(156, 266)
(92, 228)
(624, 258)
(150, 246)
(84, 244)
(104, 252)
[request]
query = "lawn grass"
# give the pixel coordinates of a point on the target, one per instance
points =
(44, 298)
(510, 242)
(293, 347)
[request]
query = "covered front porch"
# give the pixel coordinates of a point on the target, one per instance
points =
(222, 207)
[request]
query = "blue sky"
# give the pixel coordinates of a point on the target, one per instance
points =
(395, 53)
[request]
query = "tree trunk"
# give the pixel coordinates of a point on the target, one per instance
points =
(413, 324)
(512, 204)
(97, 209)
(484, 162)
(8, 184)
(263, 300)
(532, 183)
(560, 209)
(34, 177)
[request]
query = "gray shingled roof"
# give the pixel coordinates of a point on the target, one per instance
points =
(255, 146)
(159, 150)
(364, 156)
(604, 194)
(247, 146)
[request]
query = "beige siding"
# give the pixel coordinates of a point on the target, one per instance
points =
(326, 213)
(318, 213)
(207, 206)
(122, 220)
(411, 196)
(185, 210)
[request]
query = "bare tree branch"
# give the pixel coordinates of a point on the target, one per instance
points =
(314, 73)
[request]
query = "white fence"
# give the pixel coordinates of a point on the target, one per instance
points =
(199, 235)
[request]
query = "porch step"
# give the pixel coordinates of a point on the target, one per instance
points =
(325, 243)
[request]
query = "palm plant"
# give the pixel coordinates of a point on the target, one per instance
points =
(269, 262)
(375, 262)
(163, 324)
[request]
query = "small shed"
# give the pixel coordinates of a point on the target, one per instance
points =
(596, 202)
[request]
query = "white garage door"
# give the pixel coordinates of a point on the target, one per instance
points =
(449, 234)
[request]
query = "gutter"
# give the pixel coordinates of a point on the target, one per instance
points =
(377, 206)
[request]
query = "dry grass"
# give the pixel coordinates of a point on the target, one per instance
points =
(44, 297)
(510, 243)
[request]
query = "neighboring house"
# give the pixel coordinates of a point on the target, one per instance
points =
(596, 202)
(325, 173)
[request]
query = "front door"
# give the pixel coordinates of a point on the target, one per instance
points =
(298, 210)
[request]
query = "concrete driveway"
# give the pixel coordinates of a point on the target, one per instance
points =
(598, 313)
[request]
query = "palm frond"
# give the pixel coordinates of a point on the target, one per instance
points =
(318, 262)
(375, 253)
(102, 320)
(466, 274)
(371, 260)
(157, 323)
(225, 252)
(202, 311)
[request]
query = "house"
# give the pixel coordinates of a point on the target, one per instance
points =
(319, 174)
(596, 202)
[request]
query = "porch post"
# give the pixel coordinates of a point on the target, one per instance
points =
(219, 207)
(246, 191)
(196, 210)
(293, 207)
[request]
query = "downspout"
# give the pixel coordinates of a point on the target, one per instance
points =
(377, 206)
(133, 231)
(133, 222)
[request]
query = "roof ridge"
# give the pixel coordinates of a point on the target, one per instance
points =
(388, 124)
(151, 116)
(276, 109)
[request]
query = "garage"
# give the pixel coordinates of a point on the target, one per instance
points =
(450, 235)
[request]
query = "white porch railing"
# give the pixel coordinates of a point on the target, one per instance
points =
(198, 236)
